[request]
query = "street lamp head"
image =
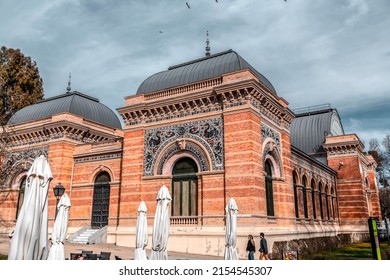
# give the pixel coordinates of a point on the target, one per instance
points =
(58, 190)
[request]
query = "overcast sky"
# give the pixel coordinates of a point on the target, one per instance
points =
(313, 52)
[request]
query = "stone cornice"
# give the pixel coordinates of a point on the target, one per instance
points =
(224, 96)
(175, 108)
(98, 157)
(343, 145)
(207, 84)
(254, 93)
(55, 131)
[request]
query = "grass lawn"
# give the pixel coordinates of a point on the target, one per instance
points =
(358, 251)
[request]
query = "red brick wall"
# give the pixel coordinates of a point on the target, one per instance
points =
(243, 162)
(8, 205)
(284, 196)
(61, 160)
(131, 181)
(350, 188)
(211, 198)
(82, 189)
(375, 203)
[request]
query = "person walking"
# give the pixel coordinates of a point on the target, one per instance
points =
(263, 247)
(251, 247)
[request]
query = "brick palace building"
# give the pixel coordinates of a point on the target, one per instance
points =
(209, 129)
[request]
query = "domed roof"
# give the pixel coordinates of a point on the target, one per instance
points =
(309, 129)
(198, 70)
(71, 102)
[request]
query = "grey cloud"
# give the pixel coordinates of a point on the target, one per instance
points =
(313, 52)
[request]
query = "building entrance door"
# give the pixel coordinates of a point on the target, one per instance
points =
(101, 201)
(185, 188)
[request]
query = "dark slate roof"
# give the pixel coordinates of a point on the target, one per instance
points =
(308, 130)
(71, 102)
(197, 70)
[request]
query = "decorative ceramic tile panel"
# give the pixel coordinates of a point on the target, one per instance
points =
(267, 132)
(208, 133)
(18, 161)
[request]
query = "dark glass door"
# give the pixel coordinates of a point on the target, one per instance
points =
(101, 202)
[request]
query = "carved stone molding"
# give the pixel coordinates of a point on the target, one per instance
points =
(45, 134)
(177, 109)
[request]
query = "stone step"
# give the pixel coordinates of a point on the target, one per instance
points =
(83, 237)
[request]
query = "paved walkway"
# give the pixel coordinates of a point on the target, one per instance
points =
(126, 253)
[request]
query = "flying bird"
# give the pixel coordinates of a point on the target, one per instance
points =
(188, 5)
(216, 1)
(160, 31)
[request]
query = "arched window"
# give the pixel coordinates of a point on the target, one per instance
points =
(327, 202)
(21, 195)
(295, 179)
(269, 189)
(332, 205)
(304, 197)
(101, 200)
(313, 198)
(185, 188)
(320, 188)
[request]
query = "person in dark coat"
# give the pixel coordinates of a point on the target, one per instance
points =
(263, 247)
(251, 247)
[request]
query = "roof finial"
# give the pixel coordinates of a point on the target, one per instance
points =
(68, 88)
(207, 45)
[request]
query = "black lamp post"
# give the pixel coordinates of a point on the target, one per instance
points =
(58, 192)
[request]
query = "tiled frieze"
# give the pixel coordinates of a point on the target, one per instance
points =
(208, 133)
(15, 160)
(189, 146)
(273, 147)
(98, 157)
(267, 132)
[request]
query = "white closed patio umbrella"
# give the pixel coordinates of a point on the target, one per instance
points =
(161, 226)
(231, 230)
(141, 236)
(57, 251)
(30, 238)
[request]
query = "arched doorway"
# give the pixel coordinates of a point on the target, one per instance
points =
(101, 200)
(185, 188)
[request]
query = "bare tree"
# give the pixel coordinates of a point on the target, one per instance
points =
(386, 159)
(384, 197)
(374, 145)
(376, 152)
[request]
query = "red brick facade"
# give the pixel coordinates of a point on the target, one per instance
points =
(230, 127)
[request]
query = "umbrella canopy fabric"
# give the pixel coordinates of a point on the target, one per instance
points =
(141, 237)
(231, 230)
(161, 226)
(29, 241)
(58, 236)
